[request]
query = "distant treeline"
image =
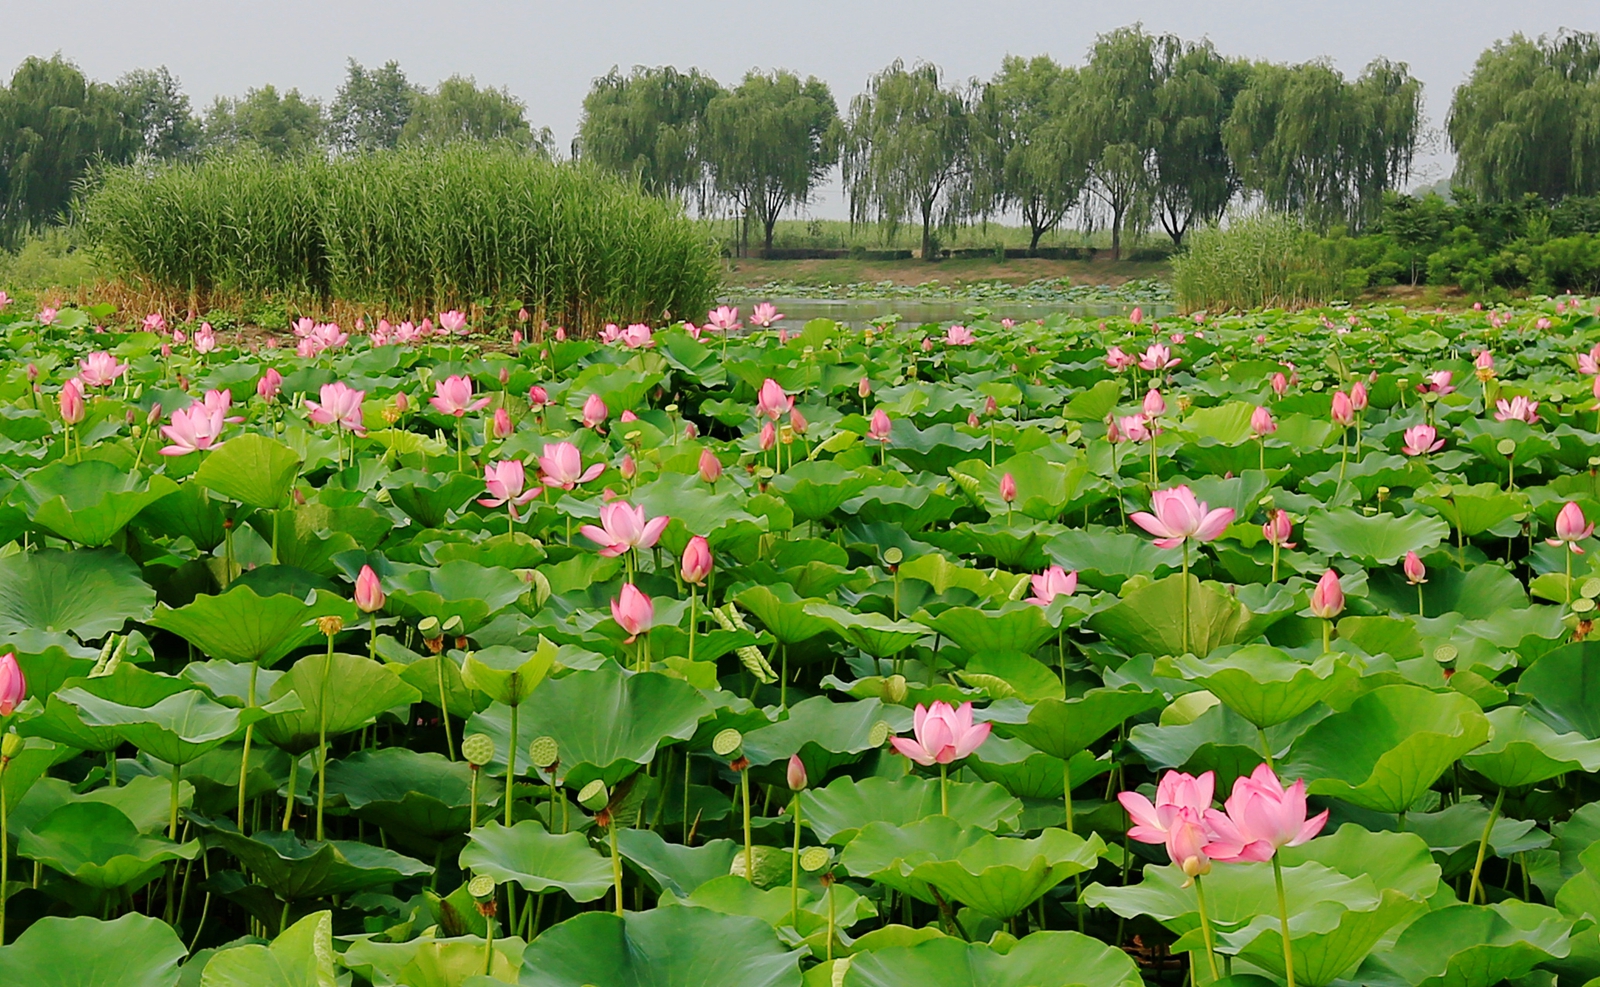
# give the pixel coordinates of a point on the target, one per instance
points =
(1149, 132)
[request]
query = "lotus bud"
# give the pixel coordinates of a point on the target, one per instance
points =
(797, 421)
(1261, 422)
(478, 749)
(769, 437)
(1008, 488)
(537, 398)
(796, 773)
(710, 466)
(973, 421)
(13, 684)
(595, 411)
(863, 389)
(1154, 404)
(369, 591)
(11, 746)
(990, 407)
(1415, 571)
(629, 468)
(696, 561)
(1358, 396)
(1327, 599)
(502, 423)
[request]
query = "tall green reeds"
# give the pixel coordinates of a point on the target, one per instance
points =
(414, 230)
(1265, 260)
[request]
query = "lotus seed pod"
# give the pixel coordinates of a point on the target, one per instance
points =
(1582, 605)
(1590, 589)
(428, 627)
(773, 865)
(478, 749)
(726, 742)
(893, 556)
(814, 858)
(544, 752)
(594, 796)
(452, 624)
(879, 734)
(481, 887)
(1444, 654)
(894, 689)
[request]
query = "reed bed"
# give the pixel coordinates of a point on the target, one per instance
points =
(1263, 260)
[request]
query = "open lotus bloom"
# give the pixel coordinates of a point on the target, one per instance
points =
(624, 527)
(942, 734)
(561, 465)
(453, 396)
(1261, 816)
(1176, 791)
(1053, 582)
(1176, 517)
(340, 403)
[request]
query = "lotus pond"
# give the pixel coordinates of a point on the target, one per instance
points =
(1101, 653)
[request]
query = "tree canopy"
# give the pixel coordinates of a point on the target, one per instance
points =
(1028, 155)
(649, 124)
(372, 107)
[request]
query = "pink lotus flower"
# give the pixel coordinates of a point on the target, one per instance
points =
(1343, 414)
(369, 592)
(796, 774)
(1415, 571)
(340, 403)
(1261, 422)
(1178, 518)
(1358, 396)
(1280, 384)
(880, 426)
(205, 339)
(636, 337)
(1158, 357)
(1571, 528)
(1589, 362)
(1278, 529)
(506, 480)
(959, 336)
(595, 411)
(1135, 428)
(1420, 440)
(154, 322)
(763, 315)
(193, 429)
(723, 319)
(47, 316)
(1261, 816)
(1188, 838)
(633, 611)
(270, 385)
(1438, 382)
(927, 344)
(797, 421)
(221, 402)
(537, 397)
(942, 734)
(453, 322)
(100, 369)
(1518, 409)
(710, 466)
(623, 528)
(1327, 598)
(610, 333)
(13, 684)
(1484, 361)
(1053, 582)
(768, 437)
(771, 401)
(71, 401)
(1176, 793)
(1008, 488)
(696, 562)
(1154, 404)
(1136, 316)
(453, 396)
(561, 465)
(501, 427)
(864, 389)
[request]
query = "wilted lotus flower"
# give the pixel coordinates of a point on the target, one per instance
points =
(1571, 528)
(1438, 383)
(1053, 582)
(624, 527)
(453, 396)
(1327, 599)
(633, 611)
(942, 734)
(1261, 422)
(270, 385)
(696, 562)
(1420, 440)
(369, 591)
(1518, 409)
(561, 465)
(1178, 518)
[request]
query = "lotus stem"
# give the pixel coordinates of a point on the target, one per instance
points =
(1483, 846)
(322, 741)
(694, 599)
(1283, 919)
(794, 869)
(511, 765)
(749, 854)
(249, 733)
(1184, 637)
(1205, 926)
(173, 827)
(1420, 609)
(1327, 636)
(830, 921)
(944, 789)
(1066, 785)
(1567, 552)
(5, 850)
(1266, 746)
(444, 712)
(616, 860)
(472, 812)
(288, 805)
(372, 639)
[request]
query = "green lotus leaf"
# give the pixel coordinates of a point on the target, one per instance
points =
(814, 489)
(417, 800)
(889, 855)
(132, 951)
(127, 684)
(455, 589)
(296, 869)
(1043, 959)
(189, 513)
(608, 722)
(145, 799)
(1104, 558)
(507, 675)
(1032, 774)
(1392, 861)
(934, 449)
(1388, 747)
(177, 729)
(1525, 750)
(1217, 740)
(1261, 683)
(1235, 894)
(253, 469)
(673, 866)
(1478, 591)
(1012, 675)
(430, 497)
(826, 734)
(1001, 875)
(95, 844)
(243, 626)
(1470, 946)
(354, 690)
(537, 860)
(88, 502)
(89, 592)
(720, 517)
(429, 962)
(1151, 618)
(664, 947)
(1379, 540)
(839, 811)
(783, 612)
(301, 956)
(731, 894)
(942, 576)
(1472, 510)
(1063, 727)
(1012, 546)
(876, 634)
(28, 766)
(1327, 942)
(1564, 687)
(1017, 626)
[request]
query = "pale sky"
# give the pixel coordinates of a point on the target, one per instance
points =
(547, 53)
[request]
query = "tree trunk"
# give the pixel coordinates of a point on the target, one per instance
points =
(1117, 209)
(927, 232)
(771, 221)
(1033, 242)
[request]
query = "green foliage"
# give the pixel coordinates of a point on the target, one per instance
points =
(1259, 260)
(649, 125)
(278, 125)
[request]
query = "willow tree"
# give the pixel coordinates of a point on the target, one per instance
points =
(769, 142)
(906, 150)
(649, 124)
(1528, 119)
(1194, 180)
(1310, 142)
(1027, 154)
(457, 109)
(280, 124)
(1116, 113)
